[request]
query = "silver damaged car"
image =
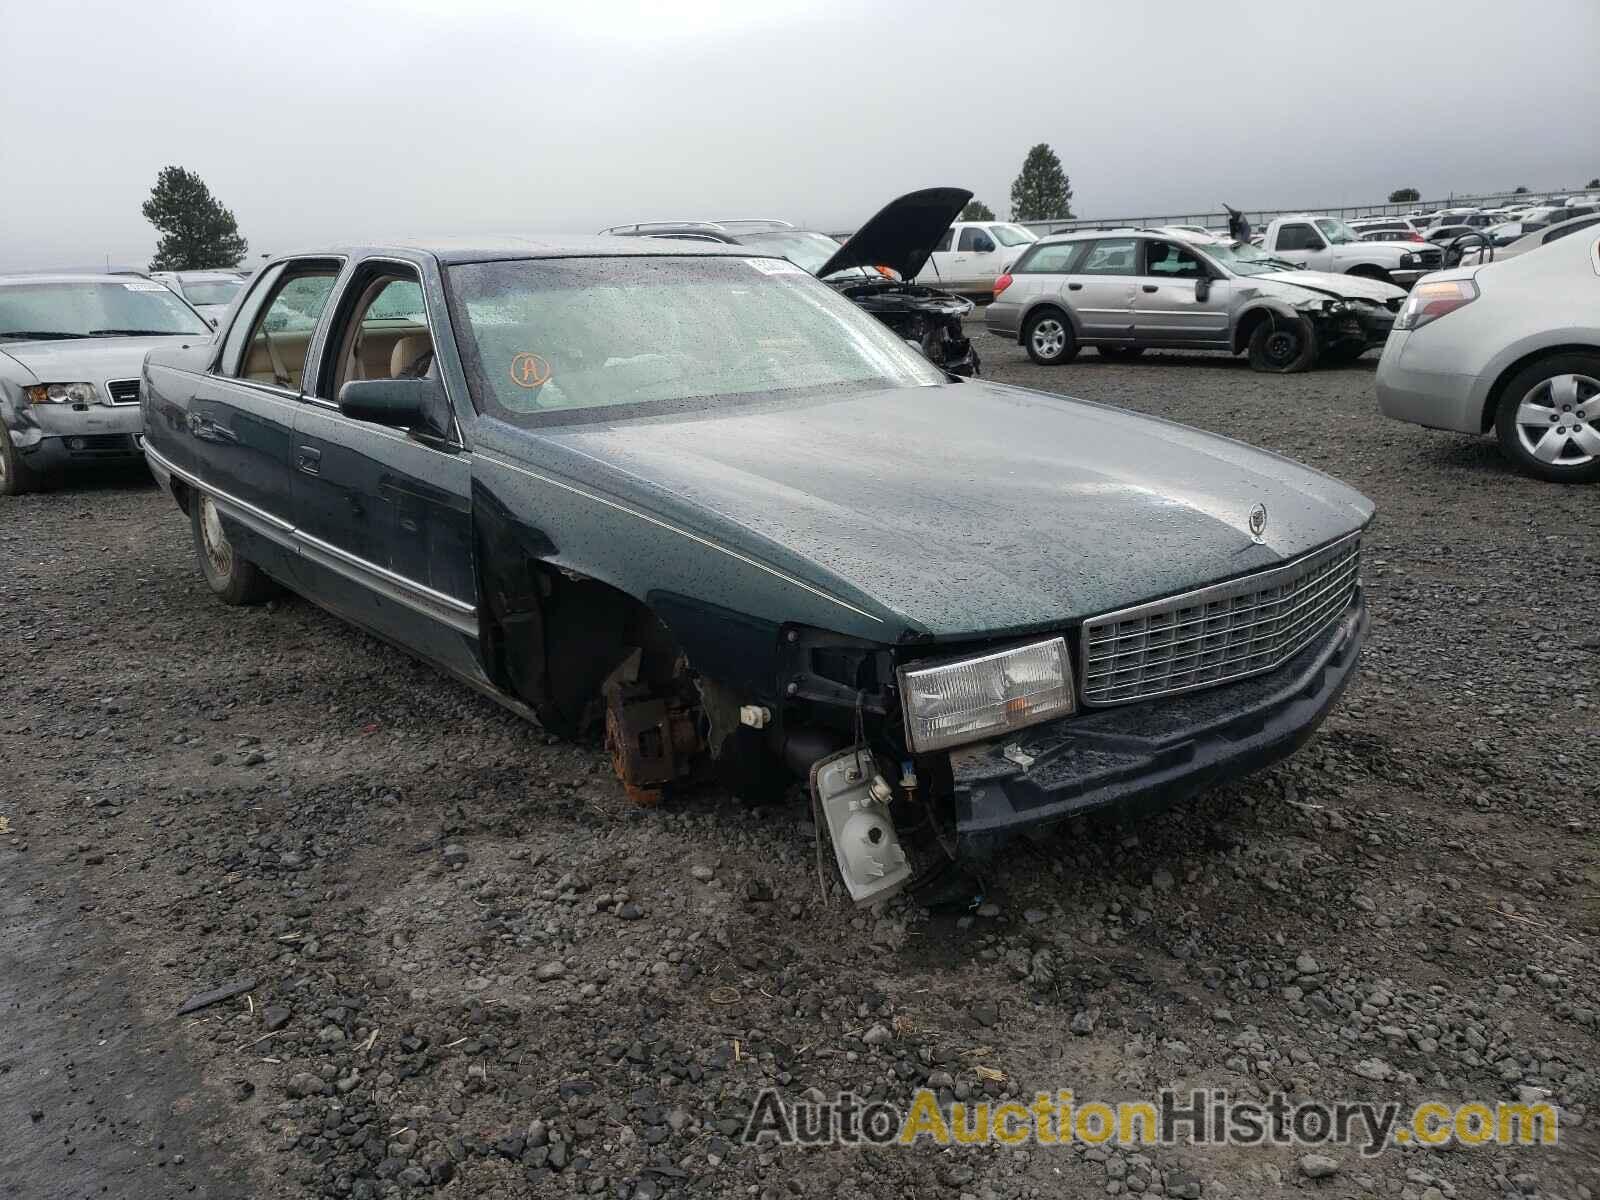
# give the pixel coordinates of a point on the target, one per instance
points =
(1124, 291)
(71, 351)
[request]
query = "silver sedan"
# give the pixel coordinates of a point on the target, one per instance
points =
(1512, 347)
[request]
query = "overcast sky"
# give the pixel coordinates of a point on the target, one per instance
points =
(326, 120)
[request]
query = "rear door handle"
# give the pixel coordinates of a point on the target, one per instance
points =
(308, 459)
(1152, 287)
(1074, 287)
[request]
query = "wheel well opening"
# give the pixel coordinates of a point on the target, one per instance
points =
(1497, 390)
(1247, 326)
(1368, 271)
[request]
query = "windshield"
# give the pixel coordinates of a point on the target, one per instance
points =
(1013, 235)
(94, 309)
(212, 291)
(808, 251)
(546, 341)
(1244, 259)
(1336, 231)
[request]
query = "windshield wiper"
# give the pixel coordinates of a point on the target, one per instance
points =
(40, 335)
(136, 333)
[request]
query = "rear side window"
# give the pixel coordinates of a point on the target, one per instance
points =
(944, 242)
(1110, 256)
(275, 351)
(1562, 231)
(1043, 260)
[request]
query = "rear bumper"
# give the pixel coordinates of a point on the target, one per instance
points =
(1437, 399)
(1003, 319)
(1150, 755)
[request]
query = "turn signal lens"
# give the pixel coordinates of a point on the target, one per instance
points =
(1001, 284)
(61, 393)
(1431, 300)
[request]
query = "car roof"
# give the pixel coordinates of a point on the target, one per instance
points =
(455, 250)
(67, 277)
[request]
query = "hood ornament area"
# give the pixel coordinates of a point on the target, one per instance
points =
(1258, 524)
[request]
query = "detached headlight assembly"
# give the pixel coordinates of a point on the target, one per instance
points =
(62, 393)
(968, 699)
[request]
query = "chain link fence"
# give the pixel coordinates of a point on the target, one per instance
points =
(1259, 217)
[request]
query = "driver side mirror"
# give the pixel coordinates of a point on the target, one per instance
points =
(983, 246)
(418, 405)
(1202, 288)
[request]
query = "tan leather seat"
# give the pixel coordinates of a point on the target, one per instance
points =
(407, 351)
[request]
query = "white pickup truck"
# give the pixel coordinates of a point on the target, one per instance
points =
(973, 254)
(1328, 244)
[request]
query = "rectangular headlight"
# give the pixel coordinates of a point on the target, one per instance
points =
(971, 698)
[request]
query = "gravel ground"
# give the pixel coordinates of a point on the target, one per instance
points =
(475, 969)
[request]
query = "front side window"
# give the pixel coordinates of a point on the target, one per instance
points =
(379, 332)
(1110, 256)
(1298, 237)
(1054, 257)
(280, 338)
(1172, 262)
(975, 240)
(1336, 231)
(94, 309)
(562, 340)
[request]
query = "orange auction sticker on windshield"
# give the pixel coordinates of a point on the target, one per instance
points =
(530, 370)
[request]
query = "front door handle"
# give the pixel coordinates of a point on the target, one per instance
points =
(1074, 287)
(1152, 287)
(308, 459)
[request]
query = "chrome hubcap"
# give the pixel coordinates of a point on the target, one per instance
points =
(1049, 337)
(218, 551)
(1558, 421)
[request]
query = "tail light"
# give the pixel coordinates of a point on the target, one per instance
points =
(1414, 236)
(1001, 284)
(1429, 301)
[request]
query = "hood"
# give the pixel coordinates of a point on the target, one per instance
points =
(973, 508)
(1350, 287)
(902, 233)
(92, 360)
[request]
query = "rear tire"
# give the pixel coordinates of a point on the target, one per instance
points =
(16, 476)
(1548, 420)
(1283, 345)
(1049, 338)
(1119, 353)
(232, 579)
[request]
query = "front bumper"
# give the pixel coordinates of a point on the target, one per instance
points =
(1405, 278)
(50, 437)
(1150, 755)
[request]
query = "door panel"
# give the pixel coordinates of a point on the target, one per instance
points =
(383, 517)
(1100, 290)
(384, 526)
(1166, 304)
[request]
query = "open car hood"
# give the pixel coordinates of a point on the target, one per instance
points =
(902, 233)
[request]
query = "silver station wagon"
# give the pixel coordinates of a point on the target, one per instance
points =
(1124, 291)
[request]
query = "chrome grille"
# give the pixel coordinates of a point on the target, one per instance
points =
(1227, 631)
(1429, 258)
(123, 391)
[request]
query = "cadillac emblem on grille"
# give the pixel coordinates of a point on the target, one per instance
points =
(1258, 523)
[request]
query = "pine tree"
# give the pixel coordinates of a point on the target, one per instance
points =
(977, 210)
(196, 231)
(1041, 192)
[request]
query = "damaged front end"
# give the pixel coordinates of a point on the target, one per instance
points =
(1348, 325)
(925, 316)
